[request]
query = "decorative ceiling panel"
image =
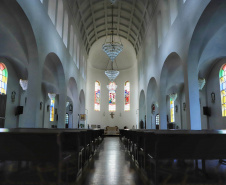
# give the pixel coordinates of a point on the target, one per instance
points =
(94, 19)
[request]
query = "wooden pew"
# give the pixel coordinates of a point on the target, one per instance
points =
(182, 144)
(35, 146)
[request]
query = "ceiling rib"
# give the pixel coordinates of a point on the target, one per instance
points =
(92, 18)
(94, 23)
(131, 19)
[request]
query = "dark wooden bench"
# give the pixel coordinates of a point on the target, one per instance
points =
(181, 144)
(34, 146)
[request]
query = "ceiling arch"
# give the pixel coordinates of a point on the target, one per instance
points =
(94, 19)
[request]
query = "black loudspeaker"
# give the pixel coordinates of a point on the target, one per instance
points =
(19, 110)
(206, 111)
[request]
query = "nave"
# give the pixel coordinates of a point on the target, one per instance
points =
(111, 166)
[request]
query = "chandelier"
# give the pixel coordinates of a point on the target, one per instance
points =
(112, 74)
(111, 47)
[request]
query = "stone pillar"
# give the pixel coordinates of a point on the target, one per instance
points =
(31, 110)
(162, 107)
(192, 97)
(62, 110)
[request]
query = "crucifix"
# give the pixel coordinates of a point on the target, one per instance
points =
(112, 115)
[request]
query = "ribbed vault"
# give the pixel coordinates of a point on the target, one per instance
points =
(130, 18)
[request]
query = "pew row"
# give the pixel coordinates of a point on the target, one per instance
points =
(60, 152)
(151, 146)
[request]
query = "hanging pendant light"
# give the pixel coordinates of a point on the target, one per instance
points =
(111, 47)
(111, 73)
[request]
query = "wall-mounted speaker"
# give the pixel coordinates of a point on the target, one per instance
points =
(206, 111)
(19, 110)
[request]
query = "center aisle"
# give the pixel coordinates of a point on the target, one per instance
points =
(111, 166)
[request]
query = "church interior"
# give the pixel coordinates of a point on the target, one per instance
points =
(112, 92)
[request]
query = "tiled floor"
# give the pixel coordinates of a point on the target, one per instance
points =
(111, 166)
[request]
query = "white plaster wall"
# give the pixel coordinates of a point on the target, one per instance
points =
(216, 121)
(103, 118)
(151, 58)
(46, 40)
(183, 112)
(11, 120)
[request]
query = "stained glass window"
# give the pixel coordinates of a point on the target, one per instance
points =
(66, 118)
(127, 96)
(52, 109)
(222, 76)
(157, 119)
(172, 116)
(97, 96)
(112, 97)
(3, 78)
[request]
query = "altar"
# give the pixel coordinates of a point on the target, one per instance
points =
(111, 130)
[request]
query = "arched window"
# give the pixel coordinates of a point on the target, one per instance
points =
(222, 76)
(66, 118)
(157, 119)
(65, 36)
(127, 96)
(3, 78)
(52, 103)
(60, 11)
(172, 116)
(52, 10)
(112, 96)
(97, 96)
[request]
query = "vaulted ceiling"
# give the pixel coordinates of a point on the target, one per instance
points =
(130, 19)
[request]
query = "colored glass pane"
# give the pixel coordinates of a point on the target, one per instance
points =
(52, 102)
(157, 119)
(172, 116)
(222, 79)
(6, 73)
(2, 66)
(3, 78)
(224, 67)
(221, 73)
(112, 98)
(97, 96)
(66, 119)
(127, 96)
